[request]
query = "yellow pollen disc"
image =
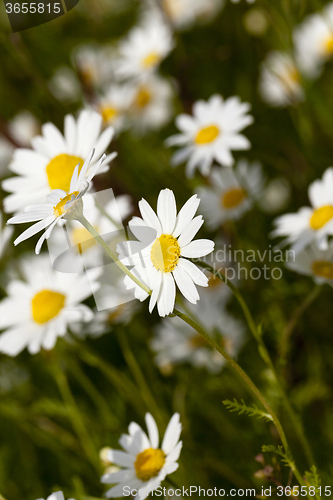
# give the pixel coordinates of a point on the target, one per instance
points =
(165, 253)
(82, 238)
(59, 209)
(143, 98)
(328, 45)
(233, 198)
(60, 171)
(149, 463)
(151, 60)
(46, 305)
(198, 341)
(323, 268)
(108, 113)
(207, 134)
(321, 216)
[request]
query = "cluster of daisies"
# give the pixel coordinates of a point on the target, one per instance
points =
(308, 232)
(283, 73)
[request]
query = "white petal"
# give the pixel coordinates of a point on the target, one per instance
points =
(166, 210)
(152, 430)
(186, 285)
(172, 433)
(186, 214)
(198, 248)
(149, 216)
(191, 230)
(197, 276)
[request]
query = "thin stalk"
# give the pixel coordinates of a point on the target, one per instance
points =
(253, 388)
(266, 357)
(112, 254)
(104, 212)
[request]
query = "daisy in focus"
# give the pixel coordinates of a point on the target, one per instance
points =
(232, 192)
(175, 342)
(51, 162)
(310, 224)
(145, 464)
(160, 255)
(280, 80)
(211, 134)
(61, 205)
(313, 40)
(144, 48)
(39, 309)
(314, 262)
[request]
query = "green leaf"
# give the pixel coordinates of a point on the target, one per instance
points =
(251, 411)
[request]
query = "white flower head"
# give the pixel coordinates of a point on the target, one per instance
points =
(5, 236)
(313, 223)
(280, 80)
(160, 256)
(313, 40)
(184, 13)
(144, 48)
(145, 464)
(51, 162)
(23, 127)
(94, 63)
(232, 192)
(314, 262)
(61, 205)
(211, 133)
(39, 309)
(114, 104)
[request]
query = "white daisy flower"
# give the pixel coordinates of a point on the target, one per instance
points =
(175, 342)
(280, 80)
(23, 127)
(61, 205)
(144, 48)
(276, 195)
(313, 41)
(151, 103)
(51, 162)
(5, 236)
(64, 85)
(313, 223)
(232, 192)
(159, 257)
(57, 496)
(94, 63)
(40, 308)
(114, 105)
(145, 465)
(211, 133)
(6, 152)
(185, 13)
(314, 262)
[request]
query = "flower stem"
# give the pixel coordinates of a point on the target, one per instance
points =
(266, 357)
(247, 381)
(112, 254)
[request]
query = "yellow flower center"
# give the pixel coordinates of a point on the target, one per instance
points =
(82, 238)
(60, 209)
(108, 113)
(233, 198)
(323, 268)
(60, 171)
(149, 463)
(165, 253)
(151, 60)
(328, 45)
(46, 305)
(321, 216)
(143, 98)
(207, 134)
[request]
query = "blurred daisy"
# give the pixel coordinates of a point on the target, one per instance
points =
(159, 257)
(64, 85)
(315, 263)
(211, 134)
(237, 1)
(40, 308)
(23, 127)
(5, 236)
(61, 205)
(280, 80)
(145, 465)
(175, 342)
(310, 223)
(151, 103)
(6, 153)
(51, 162)
(114, 104)
(232, 192)
(144, 48)
(275, 196)
(313, 40)
(95, 64)
(185, 13)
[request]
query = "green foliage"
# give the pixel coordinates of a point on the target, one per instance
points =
(241, 408)
(278, 450)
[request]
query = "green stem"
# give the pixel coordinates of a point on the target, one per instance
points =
(266, 357)
(75, 416)
(112, 254)
(235, 366)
